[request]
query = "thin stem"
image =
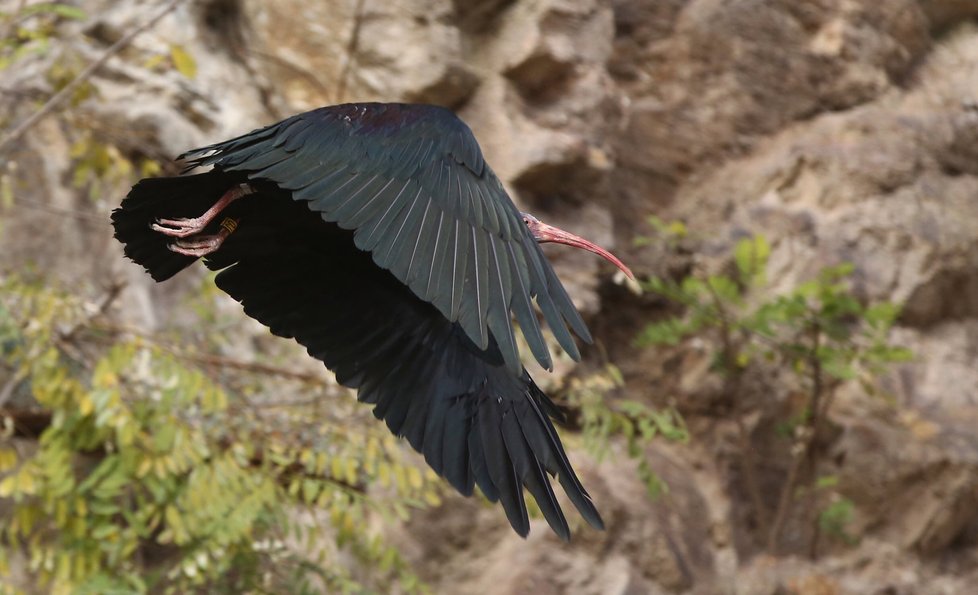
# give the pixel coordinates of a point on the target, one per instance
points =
(351, 50)
(733, 387)
(774, 537)
(750, 477)
(803, 450)
(226, 362)
(817, 415)
(7, 391)
(209, 359)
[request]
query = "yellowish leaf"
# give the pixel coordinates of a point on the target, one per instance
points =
(414, 478)
(6, 486)
(144, 467)
(25, 480)
(154, 61)
(85, 406)
(432, 498)
(8, 459)
(183, 61)
(351, 471)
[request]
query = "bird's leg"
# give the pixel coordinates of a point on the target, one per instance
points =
(198, 246)
(188, 226)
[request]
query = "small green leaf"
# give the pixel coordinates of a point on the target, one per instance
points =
(751, 255)
(882, 314)
(6, 192)
(163, 438)
(724, 287)
(62, 10)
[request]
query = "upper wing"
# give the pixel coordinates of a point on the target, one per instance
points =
(412, 182)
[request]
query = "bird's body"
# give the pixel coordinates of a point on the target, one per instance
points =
(377, 237)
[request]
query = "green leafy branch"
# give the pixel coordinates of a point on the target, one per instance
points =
(819, 331)
(602, 419)
(152, 476)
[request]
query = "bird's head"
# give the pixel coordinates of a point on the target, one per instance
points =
(548, 233)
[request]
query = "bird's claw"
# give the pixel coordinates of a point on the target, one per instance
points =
(179, 228)
(198, 246)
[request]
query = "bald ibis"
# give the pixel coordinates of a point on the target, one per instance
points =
(377, 236)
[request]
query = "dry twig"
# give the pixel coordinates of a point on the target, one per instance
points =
(351, 50)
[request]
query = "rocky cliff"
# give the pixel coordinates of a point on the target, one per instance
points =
(844, 130)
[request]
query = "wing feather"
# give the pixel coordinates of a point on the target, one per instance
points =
(483, 202)
(530, 473)
(459, 250)
(318, 188)
(425, 231)
(343, 210)
(500, 322)
(440, 281)
(357, 214)
(478, 273)
(524, 309)
(501, 469)
(399, 247)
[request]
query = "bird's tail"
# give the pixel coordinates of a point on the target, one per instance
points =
(154, 198)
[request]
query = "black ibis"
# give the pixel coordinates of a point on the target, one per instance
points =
(377, 236)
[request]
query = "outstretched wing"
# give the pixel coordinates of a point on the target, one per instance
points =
(412, 182)
(474, 421)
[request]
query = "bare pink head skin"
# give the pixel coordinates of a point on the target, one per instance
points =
(548, 233)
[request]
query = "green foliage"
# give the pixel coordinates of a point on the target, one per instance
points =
(30, 29)
(603, 418)
(100, 165)
(672, 232)
(154, 475)
(851, 337)
(818, 331)
(751, 256)
(834, 518)
(175, 58)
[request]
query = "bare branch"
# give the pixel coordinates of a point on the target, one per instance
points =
(219, 361)
(351, 50)
(226, 362)
(79, 216)
(101, 307)
(7, 391)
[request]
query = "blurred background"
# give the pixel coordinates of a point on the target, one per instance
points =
(786, 401)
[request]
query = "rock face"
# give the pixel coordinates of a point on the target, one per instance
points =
(844, 130)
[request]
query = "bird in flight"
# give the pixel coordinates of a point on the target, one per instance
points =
(377, 236)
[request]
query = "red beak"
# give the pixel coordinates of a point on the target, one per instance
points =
(548, 233)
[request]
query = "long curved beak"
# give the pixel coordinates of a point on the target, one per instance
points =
(548, 233)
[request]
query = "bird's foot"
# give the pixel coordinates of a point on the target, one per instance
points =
(198, 246)
(180, 228)
(184, 227)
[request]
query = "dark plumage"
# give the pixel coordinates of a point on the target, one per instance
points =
(377, 236)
